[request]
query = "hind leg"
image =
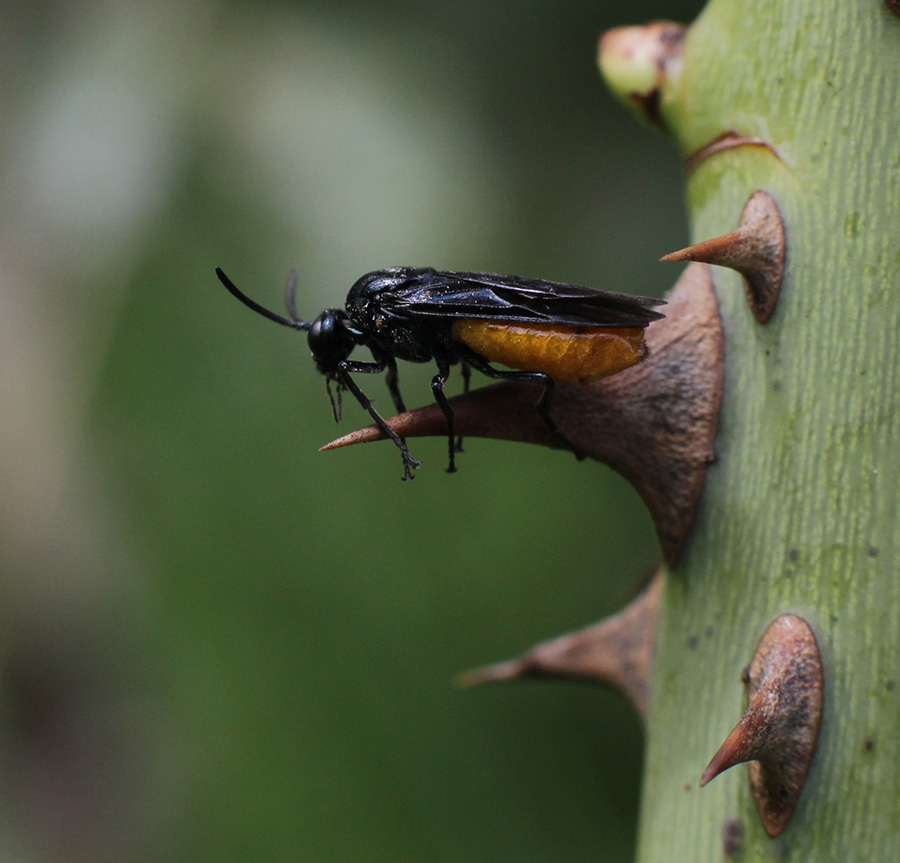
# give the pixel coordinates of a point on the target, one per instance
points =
(437, 388)
(544, 403)
(466, 371)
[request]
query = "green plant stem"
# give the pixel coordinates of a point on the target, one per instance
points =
(800, 512)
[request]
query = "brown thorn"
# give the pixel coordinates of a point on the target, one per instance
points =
(893, 5)
(777, 733)
(654, 423)
(756, 250)
(616, 652)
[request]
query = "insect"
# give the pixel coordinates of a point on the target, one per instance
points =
(546, 332)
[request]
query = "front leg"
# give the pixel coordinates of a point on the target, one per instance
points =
(342, 375)
(381, 362)
(349, 366)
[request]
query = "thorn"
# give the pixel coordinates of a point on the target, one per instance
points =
(777, 733)
(616, 652)
(655, 423)
(756, 250)
(893, 5)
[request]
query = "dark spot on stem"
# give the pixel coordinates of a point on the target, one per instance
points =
(732, 837)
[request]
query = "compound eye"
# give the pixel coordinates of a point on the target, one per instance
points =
(330, 341)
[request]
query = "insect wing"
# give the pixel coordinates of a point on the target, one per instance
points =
(512, 298)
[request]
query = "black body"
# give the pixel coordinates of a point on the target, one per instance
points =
(407, 313)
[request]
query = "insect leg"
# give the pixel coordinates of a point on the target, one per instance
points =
(348, 366)
(392, 385)
(357, 366)
(381, 363)
(545, 401)
(437, 388)
(466, 371)
(334, 398)
(543, 408)
(343, 377)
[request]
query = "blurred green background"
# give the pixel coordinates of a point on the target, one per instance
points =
(216, 642)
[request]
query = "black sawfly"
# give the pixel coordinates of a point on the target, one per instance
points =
(544, 331)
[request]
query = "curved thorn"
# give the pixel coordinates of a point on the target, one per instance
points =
(616, 652)
(756, 250)
(777, 734)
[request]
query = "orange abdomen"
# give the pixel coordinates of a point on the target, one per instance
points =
(570, 355)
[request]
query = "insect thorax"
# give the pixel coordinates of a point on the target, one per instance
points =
(405, 337)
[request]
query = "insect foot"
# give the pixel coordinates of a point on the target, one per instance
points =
(655, 423)
(756, 250)
(778, 732)
(616, 652)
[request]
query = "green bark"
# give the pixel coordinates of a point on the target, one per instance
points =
(800, 511)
